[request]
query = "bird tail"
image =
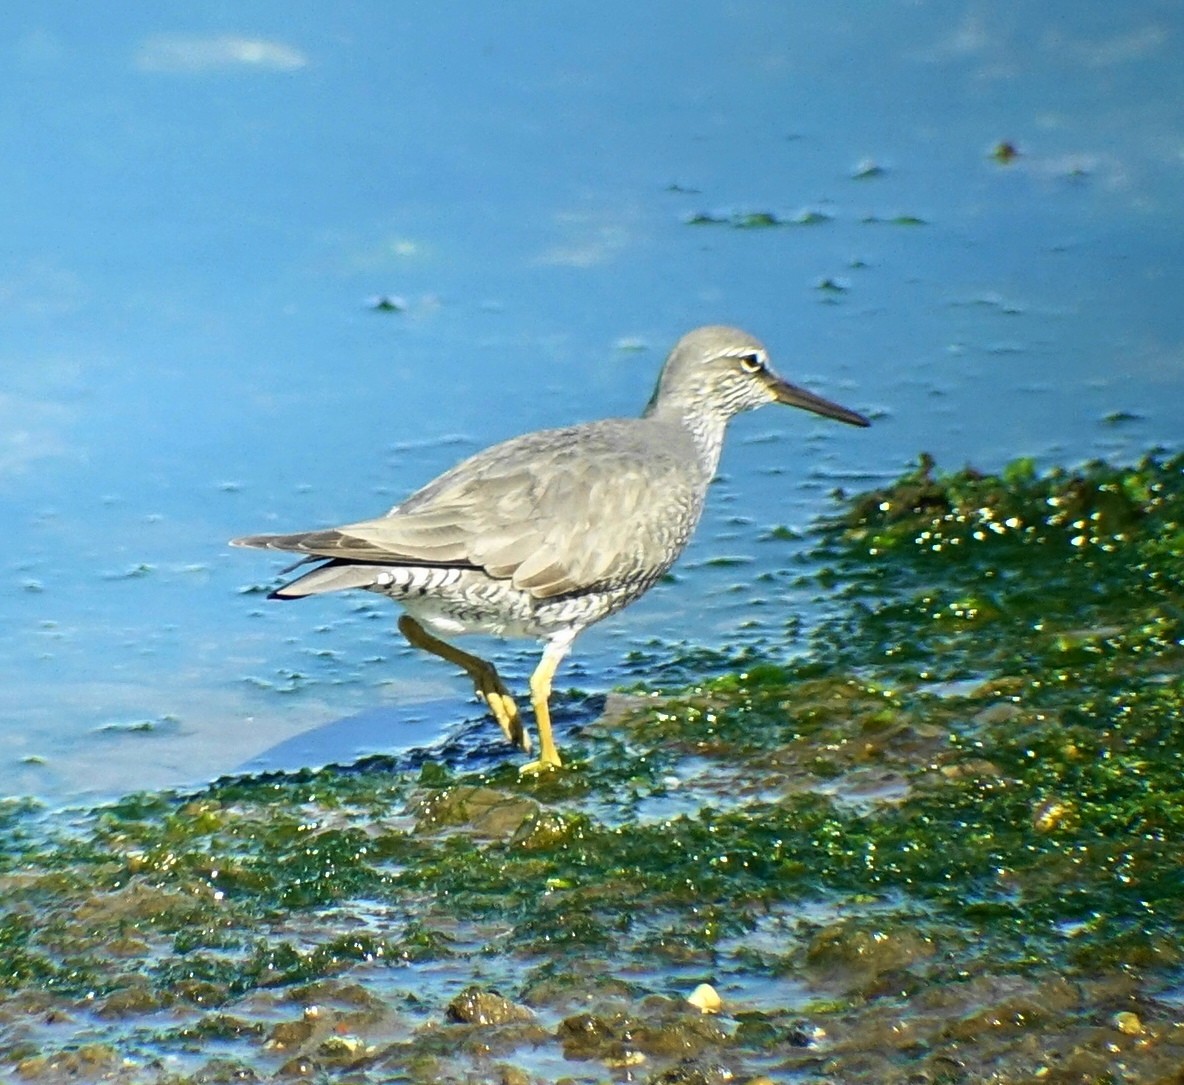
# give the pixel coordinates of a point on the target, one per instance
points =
(273, 542)
(332, 576)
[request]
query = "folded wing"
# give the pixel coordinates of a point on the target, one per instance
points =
(553, 512)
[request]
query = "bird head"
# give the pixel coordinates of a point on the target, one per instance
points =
(723, 371)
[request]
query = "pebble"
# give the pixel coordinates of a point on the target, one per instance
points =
(705, 999)
(1127, 1023)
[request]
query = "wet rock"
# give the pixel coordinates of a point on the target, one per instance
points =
(222, 1026)
(852, 952)
(624, 1058)
(300, 1066)
(585, 1035)
(568, 990)
(998, 713)
(137, 903)
(128, 947)
(544, 830)
(969, 769)
(201, 993)
(678, 1037)
(491, 814)
(1003, 1005)
(225, 1072)
(897, 983)
(129, 1002)
(342, 1051)
(1128, 1023)
(89, 1062)
(479, 1007)
(692, 1073)
(668, 1030)
(756, 1031)
(287, 1035)
(350, 996)
(513, 1075)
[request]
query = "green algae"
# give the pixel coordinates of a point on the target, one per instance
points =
(758, 220)
(948, 834)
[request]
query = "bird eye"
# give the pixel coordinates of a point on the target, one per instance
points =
(752, 363)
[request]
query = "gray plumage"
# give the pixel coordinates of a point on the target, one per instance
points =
(544, 534)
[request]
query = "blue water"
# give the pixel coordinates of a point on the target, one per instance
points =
(201, 205)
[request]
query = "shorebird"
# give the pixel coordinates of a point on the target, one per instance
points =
(544, 534)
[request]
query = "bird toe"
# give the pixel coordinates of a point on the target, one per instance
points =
(542, 765)
(505, 711)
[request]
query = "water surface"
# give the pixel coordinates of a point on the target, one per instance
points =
(201, 208)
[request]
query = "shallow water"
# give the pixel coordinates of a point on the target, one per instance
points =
(200, 212)
(944, 844)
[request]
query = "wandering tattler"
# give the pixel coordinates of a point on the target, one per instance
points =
(544, 534)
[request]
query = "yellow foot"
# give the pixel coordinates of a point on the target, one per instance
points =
(537, 768)
(505, 711)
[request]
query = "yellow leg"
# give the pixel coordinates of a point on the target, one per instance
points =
(540, 697)
(485, 678)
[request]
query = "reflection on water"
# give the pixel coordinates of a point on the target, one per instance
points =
(199, 216)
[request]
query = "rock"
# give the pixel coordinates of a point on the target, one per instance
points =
(851, 952)
(492, 814)
(89, 1062)
(289, 1034)
(513, 1075)
(128, 1002)
(343, 1051)
(475, 1006)
(705, 999)
(1127, 1023)
(542, 831)
(584, 1035)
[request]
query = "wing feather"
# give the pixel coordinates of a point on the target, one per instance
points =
(555, 512)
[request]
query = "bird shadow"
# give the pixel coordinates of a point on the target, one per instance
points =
(399, 738)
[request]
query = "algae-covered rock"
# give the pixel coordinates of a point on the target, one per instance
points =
(130, 1001)
(850, 952)
(87, 1062)
(476, 1006)
(342, 1050)
(545, 829)
(486, 812)
(669, 1029)
(288, 1035)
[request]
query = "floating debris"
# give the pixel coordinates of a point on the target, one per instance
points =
(832, 286)
(866, 170)
(750, 220)
(895, 220)
(1121, 418)
(133, 572)
(1005, 152)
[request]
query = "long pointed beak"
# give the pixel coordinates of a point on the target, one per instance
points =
(793, 396)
